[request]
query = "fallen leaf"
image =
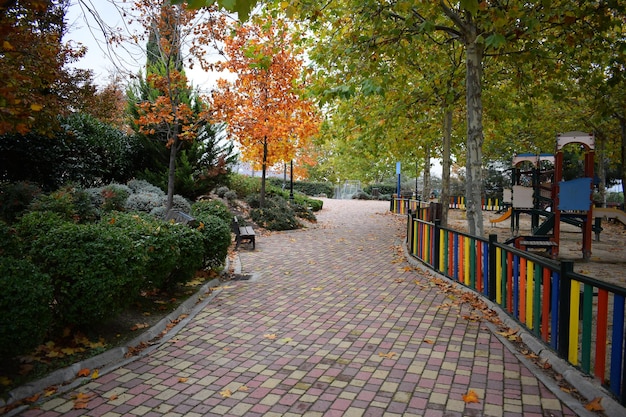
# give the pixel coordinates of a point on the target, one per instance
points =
(84, 372)
(113, 397)
(243, 388)
(430, 342)
(270, 336)
(226, 393)
(387, 355)
(594, 405)
(471, 397)
(50, 391)
(95, 374)
(32, 399)
(182, 379)
(317, 288)
(80, 405)
(398, 280)
(139, 326)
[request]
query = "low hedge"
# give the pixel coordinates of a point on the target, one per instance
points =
(212, 207)
(96, 271)
(25, 302)
(216, 238)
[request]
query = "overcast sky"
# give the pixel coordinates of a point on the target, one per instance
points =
(106, 60)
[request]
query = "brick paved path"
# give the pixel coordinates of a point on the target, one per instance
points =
(332, 323)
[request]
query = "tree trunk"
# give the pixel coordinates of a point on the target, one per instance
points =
(171, 174)
(474, 184)
(426, 189)
(601, 158)
(622, 124)
(262, 196)
(446, 163)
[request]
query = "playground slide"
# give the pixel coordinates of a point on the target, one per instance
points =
(502, 218)
(610, 213)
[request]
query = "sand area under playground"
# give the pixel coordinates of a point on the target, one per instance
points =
(608, 255)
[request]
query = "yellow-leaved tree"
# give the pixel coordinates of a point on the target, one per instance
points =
(265, 107)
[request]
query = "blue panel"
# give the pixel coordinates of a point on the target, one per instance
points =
(575, 194)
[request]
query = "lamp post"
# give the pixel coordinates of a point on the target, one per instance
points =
(291, 185)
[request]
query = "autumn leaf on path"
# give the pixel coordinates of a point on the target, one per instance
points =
(595, 405)
(182, 379)
(84, 372)
(388, 355)
(270, 336)
(95, 374)
(243, 388)
(398, 280)
(226, 393)
(81, 400)
(471, 397)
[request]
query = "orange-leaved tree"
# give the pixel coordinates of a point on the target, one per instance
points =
(265, 107)
(37, 85)
(166, 110)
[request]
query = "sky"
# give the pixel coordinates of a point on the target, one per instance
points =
(108, 60)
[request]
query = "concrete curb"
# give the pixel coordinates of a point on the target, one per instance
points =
(585, 385)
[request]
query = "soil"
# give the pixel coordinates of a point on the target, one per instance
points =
(608, 255)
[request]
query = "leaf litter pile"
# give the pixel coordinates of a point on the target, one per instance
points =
(480, 312)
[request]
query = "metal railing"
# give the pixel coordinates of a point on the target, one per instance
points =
(581, 318)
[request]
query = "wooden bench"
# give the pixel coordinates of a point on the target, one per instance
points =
(243, 233)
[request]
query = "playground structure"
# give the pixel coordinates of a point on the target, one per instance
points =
(538, 189)
(349, 188)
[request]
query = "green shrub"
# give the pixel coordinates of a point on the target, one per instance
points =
(212, 207)
(143, 202)
(382, 188)
(244, 185)
(96, 271)
(361, 195)
(276, 215)
(9, 244)
(25, 302)
(115, 196)
(71, 203)
(220, 191)
(15, 199)
(305, 187)
(231, 196)
(216, 236)
(303, 212)
(35, 224)
(191, 256)
(173, 252)
(143, 186)
(153, 238)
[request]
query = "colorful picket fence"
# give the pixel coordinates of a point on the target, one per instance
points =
(403, 205)
(582, 319)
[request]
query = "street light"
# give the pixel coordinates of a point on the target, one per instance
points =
(291, 185)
